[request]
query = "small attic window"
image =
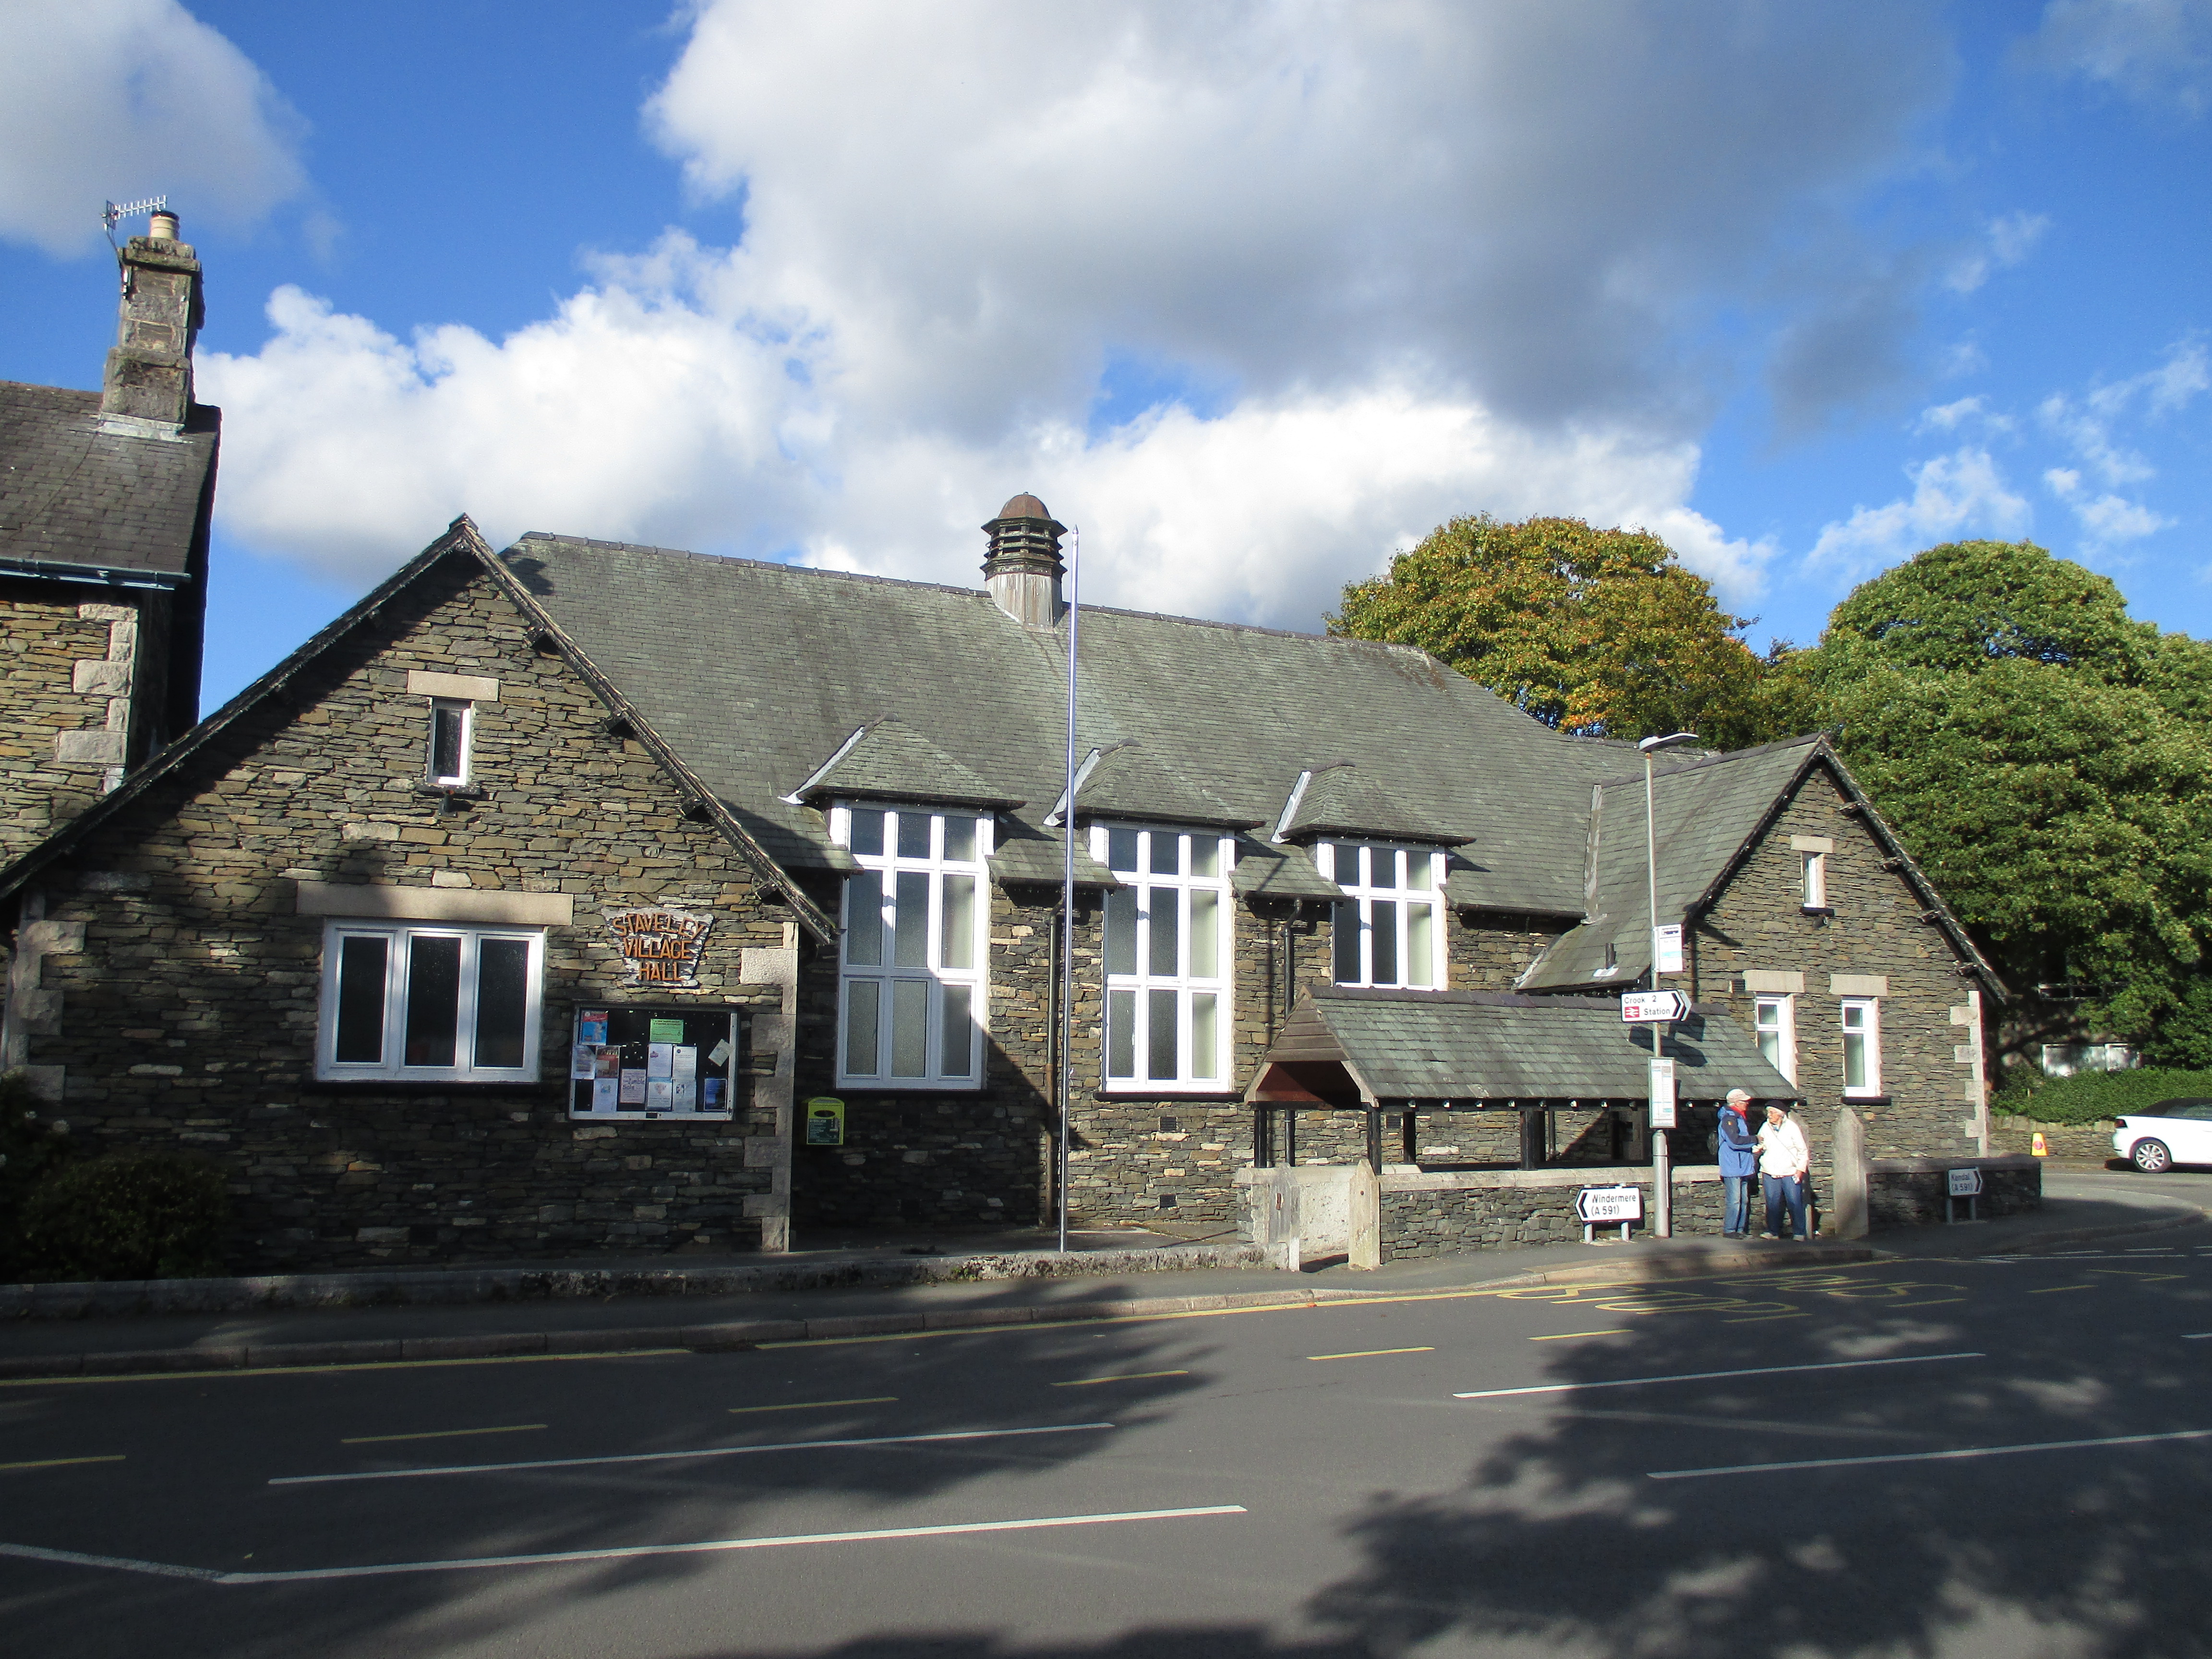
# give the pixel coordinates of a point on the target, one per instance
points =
(451, 728)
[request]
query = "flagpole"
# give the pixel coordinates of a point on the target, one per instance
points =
(1068, 887)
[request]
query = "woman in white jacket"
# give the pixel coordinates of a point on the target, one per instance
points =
(1784, 1160)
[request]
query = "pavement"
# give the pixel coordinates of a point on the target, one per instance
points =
(960, 1287)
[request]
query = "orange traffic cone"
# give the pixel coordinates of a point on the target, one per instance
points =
(2039, 1145)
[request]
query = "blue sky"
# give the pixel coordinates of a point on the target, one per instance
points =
(1255, 293)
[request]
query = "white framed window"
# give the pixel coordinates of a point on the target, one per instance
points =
(453, 733)
(1775, 1021)
(1815, 885)
(1862, 1020)
(1167, 958)
(1388, 930)
(910, 994)
(429, 1002)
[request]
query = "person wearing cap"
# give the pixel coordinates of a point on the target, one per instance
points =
(1784, 1160)
(1739, 1156)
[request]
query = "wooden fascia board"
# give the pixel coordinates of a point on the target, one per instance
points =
(695, 794)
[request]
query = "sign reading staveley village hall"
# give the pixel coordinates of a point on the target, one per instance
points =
(659, 946)
(350, 999)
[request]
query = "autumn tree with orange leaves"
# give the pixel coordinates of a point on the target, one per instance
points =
(1597, 631)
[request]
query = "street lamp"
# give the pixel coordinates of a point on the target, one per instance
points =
(1663, 1173)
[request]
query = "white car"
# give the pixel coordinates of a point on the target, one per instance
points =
(2173, 1131)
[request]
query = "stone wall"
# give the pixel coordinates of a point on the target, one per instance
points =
(1913, 1192)
(1874, 930)
(187, 1016)
(75, 661)
(2084, 1142)
(1434, 1214)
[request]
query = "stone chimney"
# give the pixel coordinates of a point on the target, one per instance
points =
(1023, 570)
(149, 372)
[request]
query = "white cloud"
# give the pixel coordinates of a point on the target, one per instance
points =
(1949, 417)
(130, 98)
(642, 413)
(1955, 496)
(1437, 257)
(2105, 519)
(2158, 52)
(2009, 239)
(2086, 425)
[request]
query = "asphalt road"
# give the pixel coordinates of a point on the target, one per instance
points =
(1953, 1456)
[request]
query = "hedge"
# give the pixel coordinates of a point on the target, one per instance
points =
(128, 1215)
(2092, 1097)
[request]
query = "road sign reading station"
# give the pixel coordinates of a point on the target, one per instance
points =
(1965, 1183)
(1663, 1094)
(1643, 1007)
(1602, 1206)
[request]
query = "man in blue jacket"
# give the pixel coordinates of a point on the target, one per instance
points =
(1739, 1162)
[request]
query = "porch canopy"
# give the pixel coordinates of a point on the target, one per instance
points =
(1345, 1050)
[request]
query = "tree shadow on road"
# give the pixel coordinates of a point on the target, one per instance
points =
(1532, 1523)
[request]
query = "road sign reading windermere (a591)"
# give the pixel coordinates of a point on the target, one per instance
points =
(1603, 1206)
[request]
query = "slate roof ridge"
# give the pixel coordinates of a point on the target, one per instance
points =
(953, 587)
(1468, 998)
(1725, 758)
(739, 559)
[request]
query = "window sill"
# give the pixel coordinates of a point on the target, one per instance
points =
(650, 1117)
(1849, 1099)
(1168, 1091)
(1816, 909)
(413, 1082)
(869, 1085)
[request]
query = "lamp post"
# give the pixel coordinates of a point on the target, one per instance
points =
(1662, 1172)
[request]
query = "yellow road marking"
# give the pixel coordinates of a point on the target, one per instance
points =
(1568, 1336)
(2131, 1272)
(1126, 1376)
(818, 1405)
(437, 1434)
(1369, 1354)
(314, 1370)
(2052, 1289)
(1761, 1319)
(63, 1462)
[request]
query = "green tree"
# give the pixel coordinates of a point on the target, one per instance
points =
(2046, 758)
(1597, 631)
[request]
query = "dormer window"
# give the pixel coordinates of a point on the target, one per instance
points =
(1385, 930)
(452, 723)
(911, 993)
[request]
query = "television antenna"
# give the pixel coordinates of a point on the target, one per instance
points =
(114, 212)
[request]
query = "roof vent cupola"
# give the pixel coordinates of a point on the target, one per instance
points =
(1024, 568)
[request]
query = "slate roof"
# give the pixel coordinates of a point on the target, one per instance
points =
(756, 672)
(1278, 872)
(887, 759)
(1341, 799)
(1474, 1046)
(1709, 811)
(1123, 780)
(103, 502)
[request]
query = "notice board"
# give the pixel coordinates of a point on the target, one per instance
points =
(640, 1060)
